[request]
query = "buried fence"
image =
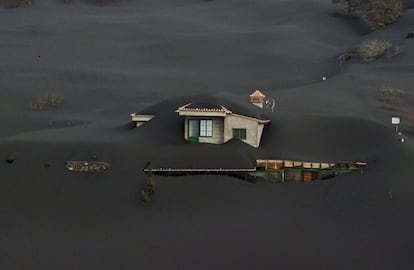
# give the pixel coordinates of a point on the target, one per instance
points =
(265, 170)
(303, 171)
(244, 174)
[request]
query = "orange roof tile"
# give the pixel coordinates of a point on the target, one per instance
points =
(186, 108)
(221, 109)
(257, 94)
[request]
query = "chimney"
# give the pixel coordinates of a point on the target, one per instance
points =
(257, 98)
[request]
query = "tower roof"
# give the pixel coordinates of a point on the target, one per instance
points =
(257, 94)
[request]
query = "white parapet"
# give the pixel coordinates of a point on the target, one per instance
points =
(141, 119)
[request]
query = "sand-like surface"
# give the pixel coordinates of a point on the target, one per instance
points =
(153, 56)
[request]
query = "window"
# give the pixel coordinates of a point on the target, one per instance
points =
(200, 128)
(193, 128)
(239, 133)
(206, 128)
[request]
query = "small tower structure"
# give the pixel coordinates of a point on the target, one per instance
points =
(257, 98)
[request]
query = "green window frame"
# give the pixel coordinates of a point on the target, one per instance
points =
(193, 128)
(200, 128)
(239, 133)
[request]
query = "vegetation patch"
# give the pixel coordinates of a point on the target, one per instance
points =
(390, 97)
(47, 101)
(17, 3)
(377, 13)
(370, 50)
(410, 34)
(148, 191)
(94, 2)
(397, 102)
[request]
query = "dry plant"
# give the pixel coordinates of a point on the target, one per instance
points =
(149, 189)
(371, 49)
(377, 13)
(18, 3)
(346, 55)
(381, 12)
(47, 101)
(397, 102)
(390, 97)
(145, 197)
(102, 2)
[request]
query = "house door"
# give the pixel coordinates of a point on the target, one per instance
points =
(193, 130)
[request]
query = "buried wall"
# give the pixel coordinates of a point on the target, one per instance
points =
(253, 129)
(299, 175)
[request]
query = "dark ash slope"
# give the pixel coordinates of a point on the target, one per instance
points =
(153, 56)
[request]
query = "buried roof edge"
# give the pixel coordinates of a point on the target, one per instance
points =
(261, 121)
(257, 94)
(185, 108)
(222, 109)
(144, 115)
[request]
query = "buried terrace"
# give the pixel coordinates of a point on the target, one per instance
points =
(278, 171)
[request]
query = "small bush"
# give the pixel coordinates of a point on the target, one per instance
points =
(369, 50)
(50, 100)
(149, 190)
(377, 13)
(382, 12)
(390, 97)
(103, 2)
(346, 55)
(372, 49)
(145, 197)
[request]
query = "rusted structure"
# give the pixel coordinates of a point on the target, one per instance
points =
(298, 171)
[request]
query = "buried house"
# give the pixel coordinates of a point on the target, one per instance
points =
(209, 123)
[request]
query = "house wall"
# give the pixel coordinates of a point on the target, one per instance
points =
(260, 128)
(253, 129)
(258, 104)
(218, 130)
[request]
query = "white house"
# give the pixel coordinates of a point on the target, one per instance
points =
(205, 123)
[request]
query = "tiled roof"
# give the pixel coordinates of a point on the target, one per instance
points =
(189, 107)
(257, 94)
(222, 109)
